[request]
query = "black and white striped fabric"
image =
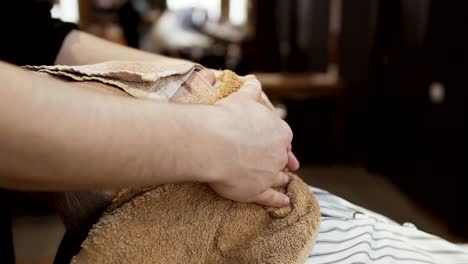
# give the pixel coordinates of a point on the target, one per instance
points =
(351, 234)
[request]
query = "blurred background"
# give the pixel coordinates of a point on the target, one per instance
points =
(374, 91)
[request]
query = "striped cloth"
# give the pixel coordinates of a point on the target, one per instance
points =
(465, 246)
(352, 234)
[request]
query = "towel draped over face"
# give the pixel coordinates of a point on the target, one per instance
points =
(188, 223)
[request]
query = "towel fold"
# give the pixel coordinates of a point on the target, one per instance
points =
(188, 223)
(144, 80)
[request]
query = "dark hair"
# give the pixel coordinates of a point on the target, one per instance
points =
(159, 4)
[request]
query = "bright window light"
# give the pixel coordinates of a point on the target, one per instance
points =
(238, 12)
(66, 10)
(213, 7)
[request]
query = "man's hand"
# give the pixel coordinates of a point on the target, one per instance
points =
(211, 75)
(248, 149)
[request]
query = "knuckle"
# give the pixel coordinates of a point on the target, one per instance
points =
(281, 179)
(250, 76)
(259, 199)
(275, 198)
(287, 130)
(284, 160)
(254, 83)
(269, 196)
(271, 178)
(280, 159)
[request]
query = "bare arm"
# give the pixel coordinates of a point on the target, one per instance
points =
(82, 48)
(56, 136)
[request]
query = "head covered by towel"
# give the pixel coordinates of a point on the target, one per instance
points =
(188, 223)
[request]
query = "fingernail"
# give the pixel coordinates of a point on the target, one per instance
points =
(286, 178)
(286, 200)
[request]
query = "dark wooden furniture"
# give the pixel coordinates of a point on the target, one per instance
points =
(418, 118)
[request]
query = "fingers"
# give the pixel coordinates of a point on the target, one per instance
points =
(281, 180)
(272, 198)
(288, 132)
(251, 88)
(293, 162)
(248, 77)
(208, 75)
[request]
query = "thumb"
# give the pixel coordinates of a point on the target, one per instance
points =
(272, 198)
(252, 89)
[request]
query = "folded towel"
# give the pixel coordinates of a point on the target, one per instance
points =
(189, 223)
(144, 80)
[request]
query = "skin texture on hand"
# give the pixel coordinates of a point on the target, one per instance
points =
(293, 162)
(269, 196)
(242, 151)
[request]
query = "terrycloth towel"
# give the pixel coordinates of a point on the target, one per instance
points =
(189, 223)
(144, 80)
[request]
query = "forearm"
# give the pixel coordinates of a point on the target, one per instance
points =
(82, 48)
(56, 136)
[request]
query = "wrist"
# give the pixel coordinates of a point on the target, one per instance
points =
(193, 150)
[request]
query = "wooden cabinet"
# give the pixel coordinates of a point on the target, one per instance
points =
(418, 133)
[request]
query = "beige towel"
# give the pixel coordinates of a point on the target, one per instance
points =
(189, 223)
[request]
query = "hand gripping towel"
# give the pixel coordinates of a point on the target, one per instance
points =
(188, 223)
